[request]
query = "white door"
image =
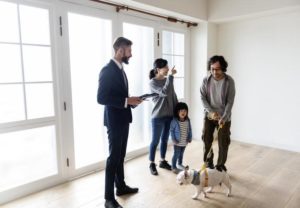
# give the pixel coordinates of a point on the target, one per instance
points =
(89, 38)
(28, 116)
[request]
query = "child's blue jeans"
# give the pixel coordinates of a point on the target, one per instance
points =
(178, 155)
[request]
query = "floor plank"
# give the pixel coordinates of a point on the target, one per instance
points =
(260, 176)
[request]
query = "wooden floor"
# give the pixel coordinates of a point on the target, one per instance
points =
(260, 176)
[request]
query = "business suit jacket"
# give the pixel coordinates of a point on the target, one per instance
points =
(112, 92)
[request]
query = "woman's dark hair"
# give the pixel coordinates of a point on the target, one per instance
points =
(181, 106)
(158, 64)
(219, 59)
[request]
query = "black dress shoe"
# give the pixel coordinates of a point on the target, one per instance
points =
(112, 204)
(126, 190)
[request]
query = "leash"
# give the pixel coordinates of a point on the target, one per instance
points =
(203, 168)
(209, 116)
(206, 177)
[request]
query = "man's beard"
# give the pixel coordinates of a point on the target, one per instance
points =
(125, 59)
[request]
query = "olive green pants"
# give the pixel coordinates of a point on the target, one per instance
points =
(223, 141)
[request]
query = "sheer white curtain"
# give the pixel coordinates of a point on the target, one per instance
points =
(90, 49)
(137, 72)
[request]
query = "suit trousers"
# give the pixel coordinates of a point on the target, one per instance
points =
(223, 141)
(114, 172)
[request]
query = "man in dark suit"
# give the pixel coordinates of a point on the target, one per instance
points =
(113, 93)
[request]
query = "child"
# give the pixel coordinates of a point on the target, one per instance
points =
(181, 134)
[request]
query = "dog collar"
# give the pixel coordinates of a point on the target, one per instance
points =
(196, 178)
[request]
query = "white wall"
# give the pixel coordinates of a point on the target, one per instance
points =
(263, 55)
(198, 64)
(203, 45)
(193, 8)
(221, 10)
(188, 10)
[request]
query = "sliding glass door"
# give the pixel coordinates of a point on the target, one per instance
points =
(28, 121)
(90, 49)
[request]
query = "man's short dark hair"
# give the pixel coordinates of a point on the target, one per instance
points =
(219, 59)
(121, 42)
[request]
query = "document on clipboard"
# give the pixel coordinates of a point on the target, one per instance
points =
(145, 96)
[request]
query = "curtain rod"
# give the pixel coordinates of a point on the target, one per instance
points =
(123, 7)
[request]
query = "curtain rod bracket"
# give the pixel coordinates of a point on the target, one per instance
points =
(189, 24)
(172, 19)
(120, 7)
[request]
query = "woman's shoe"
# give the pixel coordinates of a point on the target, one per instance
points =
(164, 164)
(175, 170)
(182, 167)
(153, 169)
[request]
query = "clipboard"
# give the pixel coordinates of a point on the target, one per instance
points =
(145, 96)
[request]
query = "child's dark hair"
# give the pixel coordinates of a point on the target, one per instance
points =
(158, 64)
(219, 59)
(181, 106)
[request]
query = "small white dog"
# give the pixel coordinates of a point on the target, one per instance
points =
(206, 178)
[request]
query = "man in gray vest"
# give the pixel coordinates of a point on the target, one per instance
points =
(217, 96)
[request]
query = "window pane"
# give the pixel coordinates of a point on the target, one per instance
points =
(90, 49)
(11, 103)
(137, 73)
(34, 25)
(9, 22)
(39, 100)
(27, 156)
(169, 58)
(179, 87)
(178, 62)
(178, 44)
(37, 63)
(10, 63)
(173, 52)
(167, 42)
(179, 65)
